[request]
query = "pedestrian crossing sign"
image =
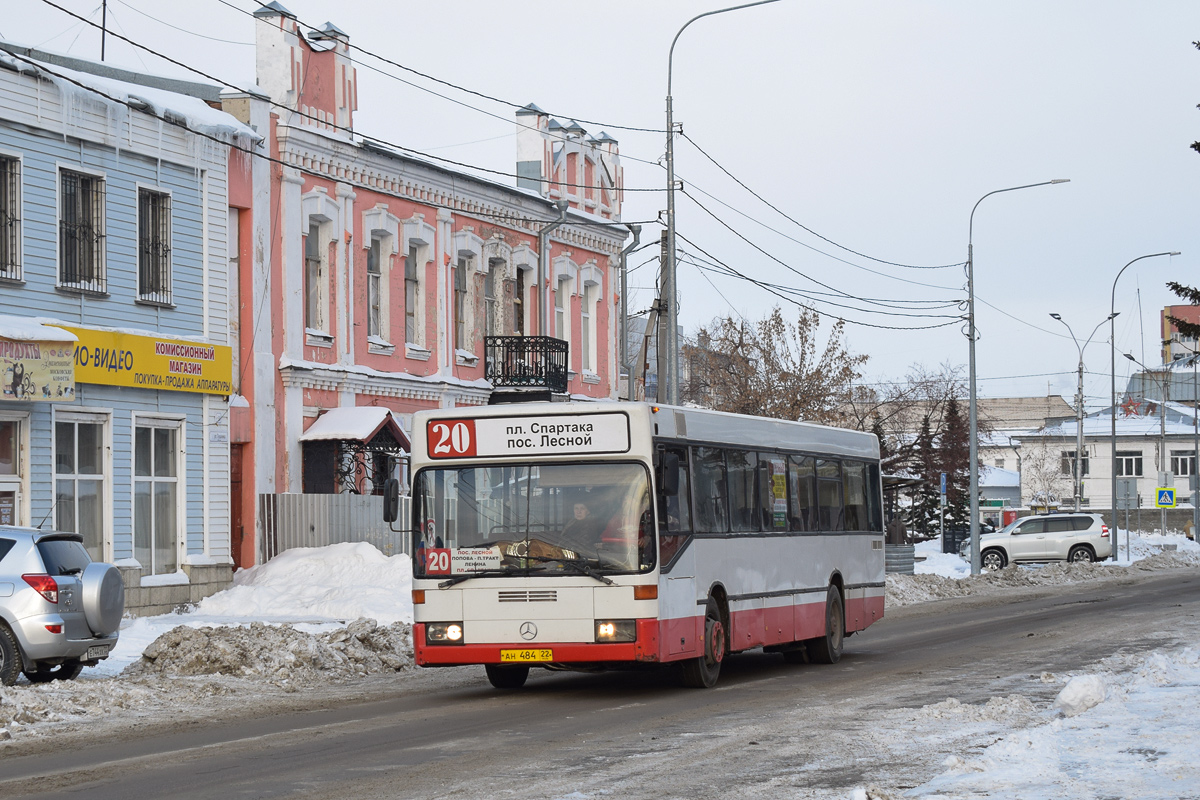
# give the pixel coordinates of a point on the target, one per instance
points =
(1165, 498)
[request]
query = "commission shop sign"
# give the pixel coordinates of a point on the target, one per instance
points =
(150, 362)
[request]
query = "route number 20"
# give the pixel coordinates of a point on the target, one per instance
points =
(451, 438)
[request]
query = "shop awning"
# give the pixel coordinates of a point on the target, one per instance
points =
(356, 424)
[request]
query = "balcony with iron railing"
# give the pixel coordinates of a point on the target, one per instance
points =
(526, 362)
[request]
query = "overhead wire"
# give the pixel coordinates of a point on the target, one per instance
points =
(780, 261)
(378, 141)
(793, 301)
(799, 224)
(510, 218)
(452, 85)
(183, 30)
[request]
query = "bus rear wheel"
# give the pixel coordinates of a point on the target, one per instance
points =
(506, 677)
(827, 649)
(702, 672)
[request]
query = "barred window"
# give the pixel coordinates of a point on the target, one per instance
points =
(81, 243)
(10, 218)
(154, 246)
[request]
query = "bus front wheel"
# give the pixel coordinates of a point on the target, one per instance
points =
(506, 677)
(702, 672)
(827, 649)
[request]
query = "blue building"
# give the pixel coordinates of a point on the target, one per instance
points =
(115, 319)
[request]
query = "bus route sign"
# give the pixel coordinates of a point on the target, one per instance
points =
(543, 434)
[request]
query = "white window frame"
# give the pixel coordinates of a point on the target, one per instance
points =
(13, 271)
(1183, 462)
(562, 309)
(1135, 459)
(161, 297)
(87, 416)
(179, 425)
(377, 293)
(96, 286)
(460, 286)
(19, 482)
(316, 288)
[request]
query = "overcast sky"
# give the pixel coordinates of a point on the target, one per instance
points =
(877, 125)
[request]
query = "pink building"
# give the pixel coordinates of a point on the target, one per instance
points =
(368, 278)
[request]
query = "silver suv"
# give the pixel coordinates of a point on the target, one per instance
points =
(1044, 537)
(59, 610)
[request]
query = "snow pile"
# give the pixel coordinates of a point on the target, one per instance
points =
(340, 582)
(1081, 693)
(1149, 710)
(1011, 709)
(279, 653)
(948, 565)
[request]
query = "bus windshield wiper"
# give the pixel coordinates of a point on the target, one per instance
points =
(581, 566)
(466, 576)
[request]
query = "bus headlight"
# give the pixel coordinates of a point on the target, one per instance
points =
(444, 633)
(615, 630)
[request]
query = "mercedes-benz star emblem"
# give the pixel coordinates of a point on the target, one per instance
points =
(528, 630)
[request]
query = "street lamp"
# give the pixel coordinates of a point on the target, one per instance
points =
(1112, 359)
(973, 409)
(1078, 468)
(670, 370)
(1162, 442)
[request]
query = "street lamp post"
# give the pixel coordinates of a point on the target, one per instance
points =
(1077, 470)
(1112, 358)
(973, 411)
(670, 370)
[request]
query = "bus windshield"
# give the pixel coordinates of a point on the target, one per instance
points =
(533, 519)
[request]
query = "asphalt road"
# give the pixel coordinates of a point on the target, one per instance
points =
(767, 724)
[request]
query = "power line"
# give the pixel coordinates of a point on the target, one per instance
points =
(801, 305)
(799, 224)
(183, 30)
(451, 85)
(777, 260)
(931, 304)
(503, 217)
(378, 141)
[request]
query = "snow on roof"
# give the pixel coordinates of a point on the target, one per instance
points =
(192, 112)
(997, 477)
(358, 369)
(355, 423)
(32, 329)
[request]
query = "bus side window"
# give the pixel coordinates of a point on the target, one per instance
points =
(674, 512)
(772, 491)
(874, 499)
(829, 495)
(855, 485)
(802, 512)
(742, 501)
(711, 510)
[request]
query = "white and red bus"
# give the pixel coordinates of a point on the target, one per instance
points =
(594, 535)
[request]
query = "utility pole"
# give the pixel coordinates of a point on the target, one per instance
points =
(103, 26)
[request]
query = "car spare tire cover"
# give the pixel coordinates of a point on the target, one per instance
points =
(103, 597)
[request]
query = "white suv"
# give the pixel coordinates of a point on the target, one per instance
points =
(1045, 537)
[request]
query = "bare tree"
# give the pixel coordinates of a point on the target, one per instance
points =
(1041, 471)
(771, 367)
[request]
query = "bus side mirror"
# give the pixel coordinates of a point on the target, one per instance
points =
(391, 500)
(668, 475)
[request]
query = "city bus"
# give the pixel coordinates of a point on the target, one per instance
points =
(603, 535)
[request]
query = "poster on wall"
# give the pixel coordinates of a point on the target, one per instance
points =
(33, 370)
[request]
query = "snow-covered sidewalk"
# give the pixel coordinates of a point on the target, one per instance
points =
(1126, 730)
